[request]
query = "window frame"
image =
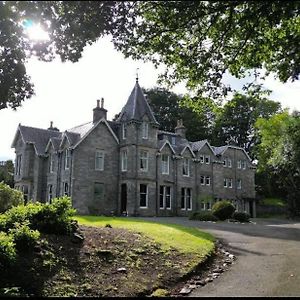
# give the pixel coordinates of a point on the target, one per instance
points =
(186, 159)
(230, 183)
(50, 193)
(145, 130)
(66, 191)
(207, 177)
(163, 189)
(202, 182)
(144, 158)
(124, 131)
(239, 164)
(124, 161)
(229, 163)
(243, 165)
(202, 159)
(186, 199)
(67, 159)
(207, 162)
(225, 183)
(18, 164)
(239, 184)
(165, 165)
(99, 158)
(146, 195)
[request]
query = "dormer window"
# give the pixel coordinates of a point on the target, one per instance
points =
(207, 159)
(124, 131)
(186, 167)
(145, 129)
(165, 164)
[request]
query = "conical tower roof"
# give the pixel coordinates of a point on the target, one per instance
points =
(136, 107)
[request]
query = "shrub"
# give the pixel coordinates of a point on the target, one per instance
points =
(241, 216)
(223, 210)
(24, 237)
(203, 216)
(9, 197)
(7, 249)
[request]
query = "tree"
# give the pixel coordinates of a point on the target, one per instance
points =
(279, 154)
(169, 107)
(7, 173)
(198, 41)
(236, 120)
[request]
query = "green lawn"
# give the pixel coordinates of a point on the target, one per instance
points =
(273, 202)
(184, 239)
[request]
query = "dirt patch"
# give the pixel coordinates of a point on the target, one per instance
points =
(108, 262)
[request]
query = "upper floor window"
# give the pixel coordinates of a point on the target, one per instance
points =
(165, 164)
(225, 162)
(202, 159)
(229, 164)
(207, 159)
(143, 195)
(144, 160)
(67, 159)
(207, 180)
(165, 197)
(18, 164)
(202, 180)
(99, 160)
(124, 160)
(186, 167)
(51, 163)
(173, 140)
(239, 184)
(145, 129)
(186, 198)
(225, 182)
(230, 183)
(124, 131)
(243, 164)
(239, 164)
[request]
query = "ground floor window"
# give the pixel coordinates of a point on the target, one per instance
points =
(143, 195)
(165, 197)
(25, 193)
(66, 189)
(186, 198)
(50, 192)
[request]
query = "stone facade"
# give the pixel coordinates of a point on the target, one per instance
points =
(130, 166)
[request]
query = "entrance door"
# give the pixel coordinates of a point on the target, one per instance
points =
(123, 198)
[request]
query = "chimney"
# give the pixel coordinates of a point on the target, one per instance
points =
(180, 129)
(99, 112)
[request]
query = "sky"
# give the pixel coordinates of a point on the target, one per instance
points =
(66, 93)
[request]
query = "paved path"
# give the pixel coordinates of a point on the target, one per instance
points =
(268, 257)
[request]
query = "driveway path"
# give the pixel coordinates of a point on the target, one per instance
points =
(268, 257)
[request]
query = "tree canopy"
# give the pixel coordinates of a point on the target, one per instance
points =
(198, 41)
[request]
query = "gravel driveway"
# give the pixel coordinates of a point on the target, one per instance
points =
(268, 257)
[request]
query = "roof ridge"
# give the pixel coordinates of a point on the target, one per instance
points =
(39, 128)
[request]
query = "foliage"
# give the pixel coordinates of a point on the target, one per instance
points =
(24, 237)
(279, 154)
(198, 41)
(241, 216)
(48, 218)
(7, 249)
(235, 122)
(273, 202)
(169, 107)
(223, 209)
(203, 216)
(7, 173)
(9, 197)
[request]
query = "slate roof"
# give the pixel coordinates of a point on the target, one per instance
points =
(219, 150)
(136, 107)
(39, 137)
(81, 129)
(196, 146)
(56, 142)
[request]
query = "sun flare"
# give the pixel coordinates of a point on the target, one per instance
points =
(35, 32)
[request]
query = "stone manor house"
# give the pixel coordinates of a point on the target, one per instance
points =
(129, 165)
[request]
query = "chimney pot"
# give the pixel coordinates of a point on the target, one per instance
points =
(98, 101)
(102, 102)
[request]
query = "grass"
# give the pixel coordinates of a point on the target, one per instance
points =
(184, 239)
(273, 202)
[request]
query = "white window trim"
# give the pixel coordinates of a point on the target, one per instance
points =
(144, 158)
(225, 163)
(145, 130)
(101, 167)
(51, 163)
(188, 167)
(165, 198)
(167, 164)
(230, 183)
(239, 164)
(229, 163)
(67, 159)
(202, 176)
(239, 184)
(202, 159)
(207, 177)
(207, 156)
(244, 165)
(226, 183)
(191, 200)
(124, 131)
(144, 207)
(124, 161)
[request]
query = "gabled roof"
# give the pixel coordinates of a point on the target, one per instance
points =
(162, 144)
(187, 147)
(136, 107)
(36, 136)
(55, 142)
(221, 150)
(83, 137)
(197, 146)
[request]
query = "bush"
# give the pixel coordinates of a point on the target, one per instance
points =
(24, 237)
(7, 249)
(241, 216)
(223, 210)
(203, 216)
(9, 197)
